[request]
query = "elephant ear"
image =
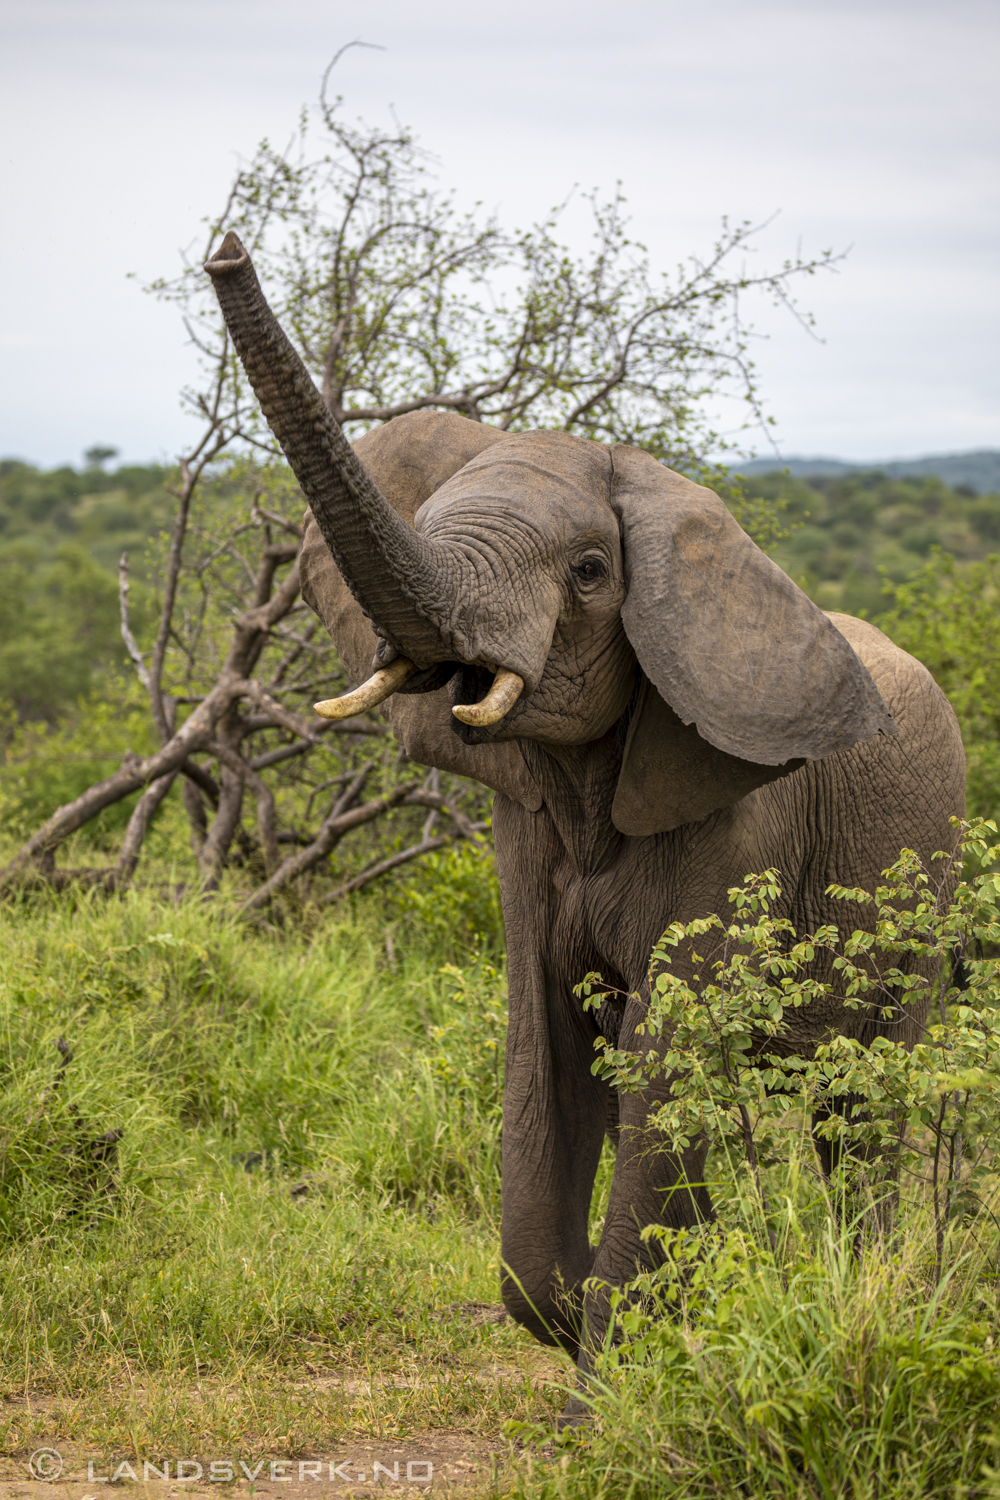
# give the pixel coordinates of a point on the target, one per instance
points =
(409, 459)
(749, 679)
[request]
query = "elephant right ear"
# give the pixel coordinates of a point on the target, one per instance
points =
(748, 679)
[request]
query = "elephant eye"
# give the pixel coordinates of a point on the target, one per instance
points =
(590, 569)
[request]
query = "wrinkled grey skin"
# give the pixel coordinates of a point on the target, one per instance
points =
(688, 717)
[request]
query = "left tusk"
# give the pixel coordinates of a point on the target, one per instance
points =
(374, 691)
(507, 688)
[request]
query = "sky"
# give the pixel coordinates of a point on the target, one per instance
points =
(863, 127)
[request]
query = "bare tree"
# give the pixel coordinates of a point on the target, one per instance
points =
(397, 303)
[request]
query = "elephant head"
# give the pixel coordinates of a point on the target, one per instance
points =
(537, 586)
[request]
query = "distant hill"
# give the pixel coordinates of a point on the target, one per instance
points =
(853, 530)
(978, 471)
(103, 512)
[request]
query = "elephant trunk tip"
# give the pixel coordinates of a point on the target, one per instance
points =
(229, 255)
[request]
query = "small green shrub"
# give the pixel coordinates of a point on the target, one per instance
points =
(723, 1040)
(810, 1342)
(453, 899)
(42, 768)
(809, 1373)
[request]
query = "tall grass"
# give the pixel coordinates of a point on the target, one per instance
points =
(815, 1372)
(294, 1236)
(307, 1175)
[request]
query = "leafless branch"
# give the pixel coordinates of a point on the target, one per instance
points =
(267, 830)
(332, 830)
(131, 645)
(426, 846)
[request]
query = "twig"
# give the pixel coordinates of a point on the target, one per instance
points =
(131, 645)
(426, 846)
(433, 785)
(192, 466)
(310, 728)
(467, 829)
(331, 832)
(271, 515)
(322, 787)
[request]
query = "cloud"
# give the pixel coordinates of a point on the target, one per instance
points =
(867, 125)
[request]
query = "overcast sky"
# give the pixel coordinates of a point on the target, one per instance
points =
(867, 125)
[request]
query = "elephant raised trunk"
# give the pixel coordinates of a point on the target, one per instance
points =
(395, 574)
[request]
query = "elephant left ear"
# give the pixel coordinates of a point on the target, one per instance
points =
(751, 679)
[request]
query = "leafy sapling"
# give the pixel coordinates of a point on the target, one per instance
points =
(721, 1039)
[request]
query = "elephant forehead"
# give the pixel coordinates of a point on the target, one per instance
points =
(546, 477)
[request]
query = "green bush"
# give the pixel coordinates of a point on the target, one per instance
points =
(946, 616)
(846, 533)
(818, 1339)
(453, 897)
(43, 767)
(810, 1374)
(58, 629)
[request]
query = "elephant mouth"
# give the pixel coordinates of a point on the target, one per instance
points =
(471, 685)
(482, 698)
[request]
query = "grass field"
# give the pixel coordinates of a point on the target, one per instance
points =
(290, 1253)
(297, 1240)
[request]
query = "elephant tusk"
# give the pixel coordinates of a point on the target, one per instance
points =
(507, 688)
(379, 687)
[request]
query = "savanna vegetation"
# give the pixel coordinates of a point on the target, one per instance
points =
(253, 1002)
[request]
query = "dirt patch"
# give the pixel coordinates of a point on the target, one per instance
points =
(433, 1462)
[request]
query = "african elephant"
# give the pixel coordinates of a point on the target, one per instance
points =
(659, 709)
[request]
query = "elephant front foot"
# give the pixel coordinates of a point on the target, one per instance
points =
(548, 1304)
(577, 1413)
(552, 1317)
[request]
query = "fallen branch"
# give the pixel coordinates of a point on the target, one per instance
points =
(135, 833)
(267, 828)
(132, 776)
(332, 830)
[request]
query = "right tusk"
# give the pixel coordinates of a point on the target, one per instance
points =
(379, 687)
(507, 688)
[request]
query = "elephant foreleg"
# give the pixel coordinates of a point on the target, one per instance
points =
(555, 1116)
(650, 1186)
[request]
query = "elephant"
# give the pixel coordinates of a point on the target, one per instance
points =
(659, 710)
